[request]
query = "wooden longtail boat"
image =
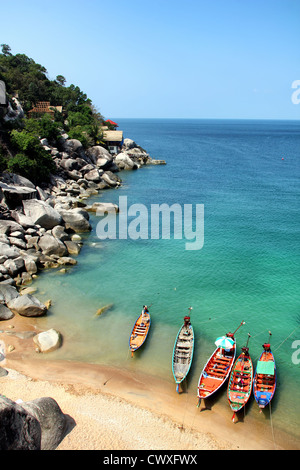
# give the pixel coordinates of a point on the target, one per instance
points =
(183, 352)
(240, 381)
(218, 366)
(139, 331)
(264, 383)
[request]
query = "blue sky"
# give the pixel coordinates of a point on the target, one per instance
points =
(166, 58)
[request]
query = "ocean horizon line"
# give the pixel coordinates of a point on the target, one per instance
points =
(209, 119)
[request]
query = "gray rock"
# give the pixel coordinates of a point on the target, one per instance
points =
(22, 219)
(94, 175)
(52, 420)
(14, 195)
(30, 265)
(109, 180)
(14, 266)
(19, 430)
(9, 251)
(48, 341)
(27, 305)
(128, 144)
(51, 245)
(59, 233)
(8, 293)
(69, 164)
(72, 247)
(42, 213)
(5, 313)
(18, 243)
(102, 207)
(14, 179)
(96, 152)
(124, 162)
(8, 226)
(76, 219)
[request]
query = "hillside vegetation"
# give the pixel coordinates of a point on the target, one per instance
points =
(20, 148)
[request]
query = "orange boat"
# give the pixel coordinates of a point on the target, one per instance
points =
(218, 367)
(140, 331)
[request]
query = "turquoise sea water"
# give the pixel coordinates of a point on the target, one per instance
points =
(246, 173)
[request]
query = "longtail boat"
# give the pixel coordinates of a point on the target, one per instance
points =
(139, 331)
(218, 366)
(183, 352)
(240, 381)
(264, 383)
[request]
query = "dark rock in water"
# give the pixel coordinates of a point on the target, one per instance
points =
(51, 245)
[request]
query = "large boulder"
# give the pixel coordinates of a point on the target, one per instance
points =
(27, 305)
(9, 251)
(128, 144)
(103, 207)
(48, 341)
(39, 424)
(96, 152)
(14, 195)
(94, 175)
(5, 313)
(51, 245)
(124, 162)
(19, 430)
(8, 293)
(69, 164)
(52, 420)
(9, 226)
(42, 213)
(14, 266)
(76, 219)
(14, 179)
(74, 148)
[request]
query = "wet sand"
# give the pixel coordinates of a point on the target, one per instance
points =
(113, 409)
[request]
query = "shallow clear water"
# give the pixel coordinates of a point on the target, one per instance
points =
(246, 173)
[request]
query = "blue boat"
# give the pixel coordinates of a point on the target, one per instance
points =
(264, 383)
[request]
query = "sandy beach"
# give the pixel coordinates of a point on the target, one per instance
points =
(112, 409)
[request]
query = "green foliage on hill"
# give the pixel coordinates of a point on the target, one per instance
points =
(20, 149)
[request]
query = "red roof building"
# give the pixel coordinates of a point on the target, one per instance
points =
(112, 122)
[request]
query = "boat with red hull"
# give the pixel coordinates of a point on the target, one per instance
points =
(217, 369)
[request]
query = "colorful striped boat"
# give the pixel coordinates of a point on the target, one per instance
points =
(240, 381)
(218, 367)
(140, 331)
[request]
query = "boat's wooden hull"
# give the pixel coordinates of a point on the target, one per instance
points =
(215, 373)
(264, 385)
(139, 332)
(240, 383)
(183, 353)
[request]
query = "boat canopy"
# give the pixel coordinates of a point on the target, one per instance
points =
(266, 367)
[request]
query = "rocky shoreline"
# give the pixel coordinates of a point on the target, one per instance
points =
(40, 227)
